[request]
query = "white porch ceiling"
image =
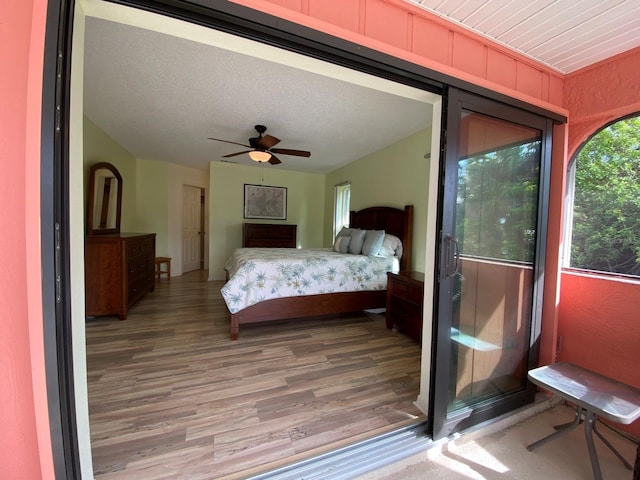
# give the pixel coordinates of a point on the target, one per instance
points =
(566, 35)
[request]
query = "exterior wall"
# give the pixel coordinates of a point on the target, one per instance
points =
(598, 315)
(600, 94)
(549, 328)
(599, 328)
(409, 32)
(25, 445)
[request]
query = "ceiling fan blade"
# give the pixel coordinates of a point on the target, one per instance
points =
(237, 153)
(274, 160)
(227, 141)
(268, 141)
(286, 151)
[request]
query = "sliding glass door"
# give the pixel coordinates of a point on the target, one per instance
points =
(493, 233)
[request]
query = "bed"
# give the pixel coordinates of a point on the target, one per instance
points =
(397, 222)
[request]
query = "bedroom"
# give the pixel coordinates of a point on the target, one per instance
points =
(152, 195)
(491, 128)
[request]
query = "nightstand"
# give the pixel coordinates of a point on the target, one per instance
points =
(405, 294)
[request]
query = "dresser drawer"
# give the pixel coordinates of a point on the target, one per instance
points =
(136, 289)
(413, 293)
(133, 247)
(140, 265)
(148, 245)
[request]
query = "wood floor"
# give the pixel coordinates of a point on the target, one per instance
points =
(171, 397)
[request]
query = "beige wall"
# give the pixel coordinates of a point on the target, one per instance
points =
(159, 205)
(152, 202)
(100, 147)
(305, 207)
(395, 176)
(152, 192)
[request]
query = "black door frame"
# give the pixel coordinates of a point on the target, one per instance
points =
(457, 100)
(218, 14)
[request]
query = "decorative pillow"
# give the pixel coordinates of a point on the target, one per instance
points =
(372, 242)
(345, 232)
(341, 244)
(391, 247)
(357, 239)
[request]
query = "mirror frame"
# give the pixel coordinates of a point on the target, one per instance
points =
(91, 199)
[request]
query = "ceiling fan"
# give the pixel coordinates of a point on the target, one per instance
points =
(262, 148)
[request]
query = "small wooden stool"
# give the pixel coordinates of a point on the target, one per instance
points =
(159, 262)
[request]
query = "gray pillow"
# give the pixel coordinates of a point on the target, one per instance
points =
(341, 244)
(345, 232)
(372, 242)
(357, 239)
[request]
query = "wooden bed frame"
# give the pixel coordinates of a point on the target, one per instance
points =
(393, 221)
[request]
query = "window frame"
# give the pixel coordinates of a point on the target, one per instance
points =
(569, 200)
(340, 210)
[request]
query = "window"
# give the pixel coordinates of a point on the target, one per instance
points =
(604, 189)
(341, 210)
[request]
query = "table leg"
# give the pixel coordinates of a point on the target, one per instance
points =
(561, 430)
(588, 434)
(611, 447)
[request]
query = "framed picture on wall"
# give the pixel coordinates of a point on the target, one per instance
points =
(265, 202)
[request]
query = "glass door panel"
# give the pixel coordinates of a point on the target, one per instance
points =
(491, 225)
(496, 214)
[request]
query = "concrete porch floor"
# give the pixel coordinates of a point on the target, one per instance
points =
(501, 454)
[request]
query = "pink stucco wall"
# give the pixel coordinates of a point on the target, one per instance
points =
(599, 327)
(25, 446)
(600, 94)
(599, 317)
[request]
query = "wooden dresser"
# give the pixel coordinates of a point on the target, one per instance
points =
(405, 297)
(119, 270)
(269, 235)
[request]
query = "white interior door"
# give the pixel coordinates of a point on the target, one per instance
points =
(191, 232)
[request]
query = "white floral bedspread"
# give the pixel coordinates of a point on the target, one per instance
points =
(258, 274)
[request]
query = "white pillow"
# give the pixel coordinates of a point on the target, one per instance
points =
(391, 247)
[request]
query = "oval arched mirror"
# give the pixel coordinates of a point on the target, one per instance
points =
(104, 199)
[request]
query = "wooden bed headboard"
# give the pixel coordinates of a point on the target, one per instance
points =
(393, 221)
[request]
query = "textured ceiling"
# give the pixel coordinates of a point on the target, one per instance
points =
(564, 34)
(161, 97)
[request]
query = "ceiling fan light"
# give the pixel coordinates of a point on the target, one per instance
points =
(260, 156)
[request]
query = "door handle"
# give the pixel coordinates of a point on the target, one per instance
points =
(452, 256)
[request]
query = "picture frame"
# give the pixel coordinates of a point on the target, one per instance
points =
(265, 202)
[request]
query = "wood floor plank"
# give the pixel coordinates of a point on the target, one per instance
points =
(171, 397)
